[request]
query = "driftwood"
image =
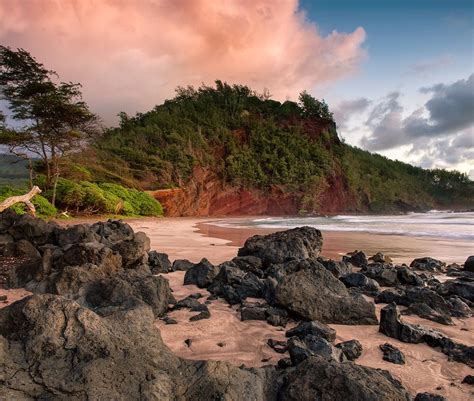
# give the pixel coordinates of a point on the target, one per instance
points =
(26, 199)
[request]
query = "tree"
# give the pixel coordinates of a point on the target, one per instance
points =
(314, 108)
(54, 120)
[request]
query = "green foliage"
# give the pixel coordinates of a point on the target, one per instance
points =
(250, 141)
(43, 207)
(103, 198)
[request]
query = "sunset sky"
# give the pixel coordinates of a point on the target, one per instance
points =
(397, 73)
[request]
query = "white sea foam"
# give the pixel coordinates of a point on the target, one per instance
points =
(438, 224)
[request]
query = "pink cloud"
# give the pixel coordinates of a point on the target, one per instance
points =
(131, 54)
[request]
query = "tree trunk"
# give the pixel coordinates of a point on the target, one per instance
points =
(26, 199)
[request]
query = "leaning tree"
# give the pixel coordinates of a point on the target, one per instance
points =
(50, 118)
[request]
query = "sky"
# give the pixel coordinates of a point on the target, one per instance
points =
(398, 74)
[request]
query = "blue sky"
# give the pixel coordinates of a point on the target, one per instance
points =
(410, 44)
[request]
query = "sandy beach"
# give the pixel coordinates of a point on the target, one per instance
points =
(225, 337)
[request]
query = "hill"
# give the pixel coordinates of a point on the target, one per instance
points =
(13, 171)
(228, 150)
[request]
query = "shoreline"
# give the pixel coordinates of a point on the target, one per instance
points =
(196, 237)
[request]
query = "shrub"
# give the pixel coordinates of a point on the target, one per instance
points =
(43, 207)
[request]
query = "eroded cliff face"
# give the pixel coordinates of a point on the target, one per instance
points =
(206, 195)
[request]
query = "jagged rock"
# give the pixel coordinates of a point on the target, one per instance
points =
(278, 346)
(424, 311)
(359, 280)
(428, 264)
(277, 316)
(298, 243)
(338, 269)
(392, 326)
(462, 287)
(469, 379)
(202, 315)
(201, 274)
(76, 234)
(356, 258)
(385, 275)
(284, 363)
(317, 329)
(458, 307)
(128, 290)
(181, 265)
(249, 264)
(134, 250)
(255, 312)
(352, 349)
(52, 348)
(26, 266)
(379, 257)
(191, 303)
(113, 231)
(407, 277)
(321, 347)
(429, 397)
(159, 262)
(313, 293)
(323, 380)
(469, 264)
(392, 354)
(34, 230)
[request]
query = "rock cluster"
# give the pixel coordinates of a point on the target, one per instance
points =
(89, 333)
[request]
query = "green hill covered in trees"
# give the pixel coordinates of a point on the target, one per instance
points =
(244, 141)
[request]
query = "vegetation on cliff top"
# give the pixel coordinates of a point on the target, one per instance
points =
(251, 141)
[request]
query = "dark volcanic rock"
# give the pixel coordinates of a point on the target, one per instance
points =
(352, 349)
(379, 257)
(255, 312)
(392, 326)
(392, 354)
(469, 379)
(78, 356)
(278, 346)
(338, 269)
(317, 329)
(424, 311)
(385, 275)
(322, 380)
(469, 264)
(357, 258)
(298, 243)
(462, 287)
(201, 274)
(159, 262)
(181, 265)
(300, 350)
(134, 250)
(313, 293)
(428, 264)
(361, 281)
(429, 397)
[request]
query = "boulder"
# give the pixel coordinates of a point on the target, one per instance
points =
(392, 354)
(469, 264)
(159, 262)
(326, 380)
(351, 349)
(313, 293)
(338, 269)
(379, 257)
(298, 243)
(201, 274)
(462, 287)
(75, 234)
(113, 231)
(133, 250)
(429, 397)
(385, 275)
(313, 328)
(469, 379)
(359, 280)
(356, 258)
(254, 312)
(181, 265)
(34, 230)
(278, 346)
(424, 311)
(428, 264)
